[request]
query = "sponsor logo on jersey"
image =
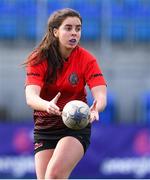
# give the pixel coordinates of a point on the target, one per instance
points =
(33, 74)
(37, 145)
(96, 75)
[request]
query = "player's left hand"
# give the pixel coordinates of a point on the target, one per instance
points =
(94, 113)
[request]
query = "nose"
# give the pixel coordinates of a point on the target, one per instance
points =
(74, 32)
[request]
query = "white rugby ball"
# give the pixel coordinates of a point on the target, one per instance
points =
(76, 114)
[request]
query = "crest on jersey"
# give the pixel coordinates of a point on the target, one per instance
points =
(73, 79)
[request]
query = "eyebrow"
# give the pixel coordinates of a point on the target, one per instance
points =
(79, 25)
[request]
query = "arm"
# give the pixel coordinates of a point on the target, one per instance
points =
(34, 100)
(100, 95)
(100, 100)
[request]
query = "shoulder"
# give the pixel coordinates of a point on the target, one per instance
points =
(35, 65)
(84, 52)
(84, 57)
(36, 59)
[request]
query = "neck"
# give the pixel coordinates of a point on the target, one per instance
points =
(65, 53)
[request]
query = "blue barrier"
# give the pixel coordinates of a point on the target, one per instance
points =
(142, 32)
(118, 31)
(145, 106)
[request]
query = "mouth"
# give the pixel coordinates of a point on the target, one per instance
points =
(72, 41)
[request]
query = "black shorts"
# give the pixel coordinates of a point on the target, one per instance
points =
(40, 145)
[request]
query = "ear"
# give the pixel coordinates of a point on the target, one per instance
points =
(55, 32)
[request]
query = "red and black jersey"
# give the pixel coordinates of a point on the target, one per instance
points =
(79, 70)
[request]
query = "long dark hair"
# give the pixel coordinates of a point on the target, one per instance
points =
(48, 48)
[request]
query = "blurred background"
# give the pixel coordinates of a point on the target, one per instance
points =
(117, 32)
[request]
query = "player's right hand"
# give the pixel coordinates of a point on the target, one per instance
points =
(52, 108)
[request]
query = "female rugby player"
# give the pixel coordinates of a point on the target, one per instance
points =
(58, 70)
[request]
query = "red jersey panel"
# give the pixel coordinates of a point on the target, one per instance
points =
(80, 69)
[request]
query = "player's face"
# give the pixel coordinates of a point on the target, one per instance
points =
(69, 33)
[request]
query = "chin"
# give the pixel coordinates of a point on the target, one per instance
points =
(71, 46)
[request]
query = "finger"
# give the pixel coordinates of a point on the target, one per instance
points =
(52, 110)
(97, 117)
(92, 119)
(57, 112)
(55, 99)
(93, 105)
(94, 116)
(53, 106)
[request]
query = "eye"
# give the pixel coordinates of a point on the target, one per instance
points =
(78, 29)
(68, 28)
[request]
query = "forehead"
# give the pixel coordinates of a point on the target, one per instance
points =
(71, 21)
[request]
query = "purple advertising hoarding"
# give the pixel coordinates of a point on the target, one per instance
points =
(116, 151)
